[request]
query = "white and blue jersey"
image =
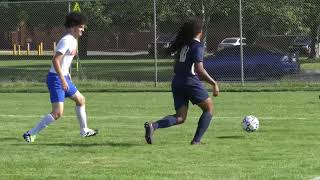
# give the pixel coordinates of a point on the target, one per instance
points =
(186, 85)
(68, 47)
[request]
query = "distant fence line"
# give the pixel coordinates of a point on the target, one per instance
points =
(117, 42)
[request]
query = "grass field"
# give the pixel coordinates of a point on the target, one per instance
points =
(286, 147)
(134, 75)
(104, 70)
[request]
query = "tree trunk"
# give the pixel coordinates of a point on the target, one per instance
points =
(313, 35)
(206, 20)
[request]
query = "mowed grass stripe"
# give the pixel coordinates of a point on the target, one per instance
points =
(286, 146)
(139, 117)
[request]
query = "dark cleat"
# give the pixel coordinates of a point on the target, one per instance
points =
(149, 132)
(193, 142)
(28, 137)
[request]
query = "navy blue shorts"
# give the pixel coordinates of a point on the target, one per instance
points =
(57, 94)
(190, 88)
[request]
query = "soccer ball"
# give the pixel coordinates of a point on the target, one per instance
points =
(250, 123)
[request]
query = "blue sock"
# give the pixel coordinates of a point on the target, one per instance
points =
(203, 125)
(165, 122)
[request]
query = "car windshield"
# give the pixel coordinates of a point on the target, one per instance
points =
(230, 41)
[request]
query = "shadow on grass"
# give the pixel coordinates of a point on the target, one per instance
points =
(230, 137)
(9, 139)
(113, 144)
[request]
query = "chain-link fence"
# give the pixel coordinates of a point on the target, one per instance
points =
(118, 44)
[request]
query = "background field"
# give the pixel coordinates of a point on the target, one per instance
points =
(118, 79)
(285, 147)
(111, 74)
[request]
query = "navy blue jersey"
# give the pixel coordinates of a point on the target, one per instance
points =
(186, 85)
(189, 55)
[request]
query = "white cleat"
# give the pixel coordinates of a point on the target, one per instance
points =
(89, 132)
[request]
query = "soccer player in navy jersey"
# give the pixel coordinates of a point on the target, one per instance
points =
(59, 81)
(186, 84)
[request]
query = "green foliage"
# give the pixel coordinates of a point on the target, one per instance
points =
(272, 17)
(268, 16)
(136, 14)
(8, 16)
(95, 12)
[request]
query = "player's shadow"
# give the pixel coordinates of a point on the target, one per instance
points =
(112, 144)
(8, 139)
(230, 137)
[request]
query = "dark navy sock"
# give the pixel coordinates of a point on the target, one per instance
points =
(203, 125)
(165, 122)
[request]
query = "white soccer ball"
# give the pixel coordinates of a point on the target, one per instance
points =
(250, 123)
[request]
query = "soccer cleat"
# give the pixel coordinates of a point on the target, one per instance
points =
(28, 137)
(89, 132)
(193, 142)
(148, 132)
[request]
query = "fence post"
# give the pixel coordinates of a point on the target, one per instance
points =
(14, 49)
(39, 50)
(54, 47)
(28, 49)
(19, 49)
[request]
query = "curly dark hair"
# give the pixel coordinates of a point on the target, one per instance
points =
(186, 33)
(75, 19)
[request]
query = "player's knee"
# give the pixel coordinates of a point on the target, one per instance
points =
(81, 101)
(208, 108)
(181, 119)
(57, 115)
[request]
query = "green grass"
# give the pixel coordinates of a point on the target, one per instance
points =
(129, 75)
(311, 67)
(286, 146)
(102, 70)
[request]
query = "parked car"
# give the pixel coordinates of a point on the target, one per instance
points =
(258, 63)
(163, 43)
(301, 44)
(230, 42)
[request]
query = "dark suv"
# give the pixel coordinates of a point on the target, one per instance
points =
(301, 44)
(163, 43)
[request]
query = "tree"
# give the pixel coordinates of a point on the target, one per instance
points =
(175, 12)
(271, 17)
(310, 12)
(136, 14)
(11, 15)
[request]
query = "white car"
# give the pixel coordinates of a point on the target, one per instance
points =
(230, 42)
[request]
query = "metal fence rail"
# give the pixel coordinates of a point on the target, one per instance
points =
(126, 40)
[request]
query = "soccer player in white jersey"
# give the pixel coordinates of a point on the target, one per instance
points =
(59, 81)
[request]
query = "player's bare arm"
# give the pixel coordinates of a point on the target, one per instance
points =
(206, 77)
(57, 66)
